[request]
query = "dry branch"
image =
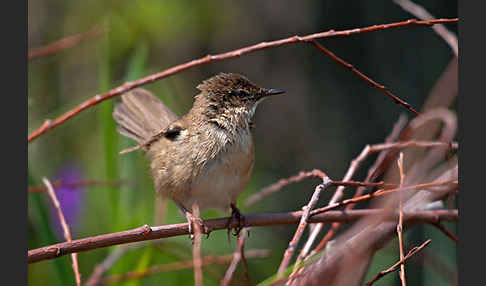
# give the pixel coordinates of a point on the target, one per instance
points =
(282, 183)
(338, 196)
(156, 232)
(65, 227)
(380, 193)
(399, 263)
(396, 99)
(239, 255)
(302, 225)
(400, 221)
(49, 125)
(372, 175)
(449, 234)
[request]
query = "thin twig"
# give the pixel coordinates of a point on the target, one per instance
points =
(399, 263)
(77, 184)
(419, 12)
(367, 151)
(448, 233)
(302, 225)
(196, 250)
(396, 99)
(109, 261)
(401, 273)
(65, 227)
(187, 264)
(282, 183)
(380, 193)
(238, 256)
(156, 232)
(381, 163)
(51, 124)
(101, 268)
(397, 127)
(64, 43)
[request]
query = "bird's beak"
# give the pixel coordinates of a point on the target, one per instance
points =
(273, 91)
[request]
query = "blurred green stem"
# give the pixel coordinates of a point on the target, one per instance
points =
(109, 136)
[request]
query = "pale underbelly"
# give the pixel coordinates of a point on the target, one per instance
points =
(220, 184)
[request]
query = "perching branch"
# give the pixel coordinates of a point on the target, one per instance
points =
(49, 125)
(156, 232)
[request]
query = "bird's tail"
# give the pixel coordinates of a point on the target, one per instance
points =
(141, 115)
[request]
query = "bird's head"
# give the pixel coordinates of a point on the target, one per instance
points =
(231, 95)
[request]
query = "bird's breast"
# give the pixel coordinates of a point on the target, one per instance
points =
(223, 178)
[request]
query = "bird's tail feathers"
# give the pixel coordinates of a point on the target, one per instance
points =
(141, 115)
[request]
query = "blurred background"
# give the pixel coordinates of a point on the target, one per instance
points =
(324, 121)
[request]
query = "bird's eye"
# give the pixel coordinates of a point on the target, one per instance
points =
(238, 92)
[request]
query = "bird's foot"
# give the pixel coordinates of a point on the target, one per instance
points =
(192, 220)
(240, 218)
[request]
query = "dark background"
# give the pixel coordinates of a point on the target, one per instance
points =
(326, 118)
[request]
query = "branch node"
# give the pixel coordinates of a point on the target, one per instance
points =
(146, 230)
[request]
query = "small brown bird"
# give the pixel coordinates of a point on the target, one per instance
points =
(207, 156)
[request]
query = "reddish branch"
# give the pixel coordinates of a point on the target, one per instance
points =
(156, 232)
(282, 183)
(449, 234)
(367, 151)
(48, 124)
(363, 76)
(338, 194)
(377, 169)
(380, 193)
(302, 225)
(399, 263)
(238, 256)
(64, 43)
(65, 227)
(207, 260)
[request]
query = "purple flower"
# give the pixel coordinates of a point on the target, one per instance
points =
(70, 197)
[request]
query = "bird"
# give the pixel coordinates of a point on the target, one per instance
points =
(206, 157)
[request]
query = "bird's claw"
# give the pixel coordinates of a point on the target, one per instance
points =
(236, 214)
(191, 219)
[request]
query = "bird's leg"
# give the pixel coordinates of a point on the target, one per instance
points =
(236, 214)
(191, 219)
